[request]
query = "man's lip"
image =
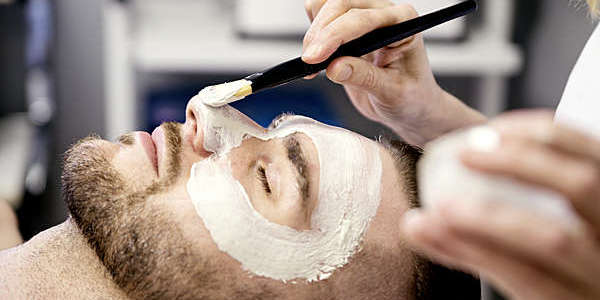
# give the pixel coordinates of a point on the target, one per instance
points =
(158, 136)
(151, 150)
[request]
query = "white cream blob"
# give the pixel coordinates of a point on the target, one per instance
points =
(442, 176)
(225, 93)
(348, 198)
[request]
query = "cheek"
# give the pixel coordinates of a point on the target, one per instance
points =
(180, 210)
(384, 228)
(282, 206)
(240, 158)
(243, 160)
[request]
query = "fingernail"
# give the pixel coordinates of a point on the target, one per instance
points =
(344, 73)
(312, 51)
(309, 36)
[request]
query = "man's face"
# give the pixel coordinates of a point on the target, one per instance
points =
(130, 200)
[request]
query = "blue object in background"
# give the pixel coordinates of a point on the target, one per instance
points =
(169, 105)
(266, 105)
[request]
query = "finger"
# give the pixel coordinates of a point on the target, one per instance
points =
(396, 44)
(377, 83)
(308, 10)
(574, 142)
(324, 12)
(577, 180)
(387, 55)
(543, 129)
(425, 231)
(312, 8)
(514, 278)
(566, 253)
(313, 76)
(351, 25)
(357, 72)
(360, 100)
(316, 7)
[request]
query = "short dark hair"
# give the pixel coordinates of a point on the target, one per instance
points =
(432, 281)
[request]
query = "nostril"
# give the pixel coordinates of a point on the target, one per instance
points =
(194, 126)
(195, 134)
(192, 121)
(190, 116)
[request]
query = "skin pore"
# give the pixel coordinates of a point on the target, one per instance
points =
(141, 225)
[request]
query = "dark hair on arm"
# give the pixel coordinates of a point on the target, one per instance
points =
(432, 281)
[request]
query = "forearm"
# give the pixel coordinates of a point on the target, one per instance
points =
(449, 115)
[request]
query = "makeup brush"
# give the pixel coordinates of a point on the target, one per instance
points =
(219, 95)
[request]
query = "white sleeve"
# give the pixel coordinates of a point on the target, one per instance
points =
(580, 104)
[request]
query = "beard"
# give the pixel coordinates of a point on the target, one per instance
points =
(149, 257)
(140, 245)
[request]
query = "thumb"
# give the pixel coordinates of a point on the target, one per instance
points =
(357, 72)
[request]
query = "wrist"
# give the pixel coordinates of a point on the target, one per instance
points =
(443, 114)
(459, 114)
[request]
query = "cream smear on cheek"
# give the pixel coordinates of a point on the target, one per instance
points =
(349, 195)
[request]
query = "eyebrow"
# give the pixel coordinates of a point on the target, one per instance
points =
(296, 156)
(280, 118)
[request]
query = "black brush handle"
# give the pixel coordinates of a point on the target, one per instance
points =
(378, 38)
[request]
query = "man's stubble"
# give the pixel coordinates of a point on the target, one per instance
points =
(140, 245)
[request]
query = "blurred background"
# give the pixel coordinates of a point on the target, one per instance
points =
(69, 68)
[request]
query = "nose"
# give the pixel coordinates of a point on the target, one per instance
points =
(195, 124)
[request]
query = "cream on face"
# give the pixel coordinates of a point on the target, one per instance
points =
(348, 197)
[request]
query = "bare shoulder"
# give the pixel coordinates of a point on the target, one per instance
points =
(55, 264)
(12, 278)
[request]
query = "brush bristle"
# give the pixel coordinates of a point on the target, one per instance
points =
(244, 91)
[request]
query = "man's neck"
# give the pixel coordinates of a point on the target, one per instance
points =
(57, 263)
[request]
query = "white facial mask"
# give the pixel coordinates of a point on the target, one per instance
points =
(348, 198)
(443, 176)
